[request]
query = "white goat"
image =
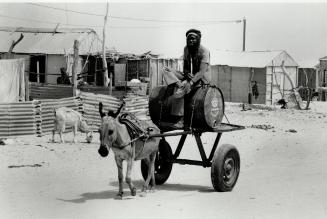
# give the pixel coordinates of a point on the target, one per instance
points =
(68, 117)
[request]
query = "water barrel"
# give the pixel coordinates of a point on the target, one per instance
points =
(203, 107)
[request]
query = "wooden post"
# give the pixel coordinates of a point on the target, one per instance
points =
(37, 71)
(150, 77)
(110, 85)
(95, 71)
(104, 61)
(149, 69)
(157, 72)
(27, 86)
(250, 86)
(137, 69)
(244, 32)
(75, 64)
(231, 83)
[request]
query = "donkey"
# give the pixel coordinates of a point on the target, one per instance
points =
(114, 135)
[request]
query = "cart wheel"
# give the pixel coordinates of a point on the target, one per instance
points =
(225, 168)
(162, 165)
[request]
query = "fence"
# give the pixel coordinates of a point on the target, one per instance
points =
(50, 91)
(91, 106)
(36, 117)
(18, 118)
(47, 107)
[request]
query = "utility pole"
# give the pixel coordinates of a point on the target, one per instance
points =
(104, 60)
(244, 31)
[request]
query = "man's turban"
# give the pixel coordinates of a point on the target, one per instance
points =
(194, 32)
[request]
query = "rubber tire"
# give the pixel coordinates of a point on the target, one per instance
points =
(163, 163)
(220, 182)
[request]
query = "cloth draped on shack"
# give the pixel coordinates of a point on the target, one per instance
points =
(12, 83)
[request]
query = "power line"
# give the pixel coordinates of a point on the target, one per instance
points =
(136, 19)
(26, 19)
(94, 26)
(60, 9)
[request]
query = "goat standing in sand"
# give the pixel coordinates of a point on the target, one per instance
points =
(68, 117)
(114, 135)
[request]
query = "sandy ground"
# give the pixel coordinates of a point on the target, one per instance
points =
(283, 174)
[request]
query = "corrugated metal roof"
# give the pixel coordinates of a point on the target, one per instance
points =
(255, 59)
(49, 43)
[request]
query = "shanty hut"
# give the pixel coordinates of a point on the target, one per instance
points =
(322, 82)
(307, 77)
(322, 79)
(146, 67)
(47, 50)
(237, 72)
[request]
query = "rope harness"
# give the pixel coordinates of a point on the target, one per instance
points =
(134, 129)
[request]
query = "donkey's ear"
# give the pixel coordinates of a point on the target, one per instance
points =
(102, 114)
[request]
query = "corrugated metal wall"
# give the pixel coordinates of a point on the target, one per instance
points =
(47, 107)
(49, 91)
(18, 118)
(37, 117)
(91, 106)
(134, 104)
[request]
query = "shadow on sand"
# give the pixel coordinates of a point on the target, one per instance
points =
(171, 187)
(111, 194)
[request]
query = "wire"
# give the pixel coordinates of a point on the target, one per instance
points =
(60, 9)
(26, 19)
(136, 19)
(114, 27)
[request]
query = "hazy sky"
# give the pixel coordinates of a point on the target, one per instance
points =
(299, 28)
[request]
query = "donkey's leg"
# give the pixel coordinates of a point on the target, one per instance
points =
(55, 128)
(152, 161)
(128, 176)
(61, 136)
(119, 163)
(61, 130)
(53, 134)
(75, 132)
(148, 178)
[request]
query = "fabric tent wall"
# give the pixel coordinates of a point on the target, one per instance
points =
(279, 83)
(12, 83)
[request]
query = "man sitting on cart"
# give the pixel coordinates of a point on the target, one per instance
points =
(196, 68)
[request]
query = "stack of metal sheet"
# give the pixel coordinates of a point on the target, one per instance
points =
(17, 118)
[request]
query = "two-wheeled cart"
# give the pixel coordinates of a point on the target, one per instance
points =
(223, 160)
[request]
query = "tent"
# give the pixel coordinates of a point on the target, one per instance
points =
(12, 81)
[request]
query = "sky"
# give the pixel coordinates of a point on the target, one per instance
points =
(300, 28)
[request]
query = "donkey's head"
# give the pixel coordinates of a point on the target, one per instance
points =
(107, 131)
